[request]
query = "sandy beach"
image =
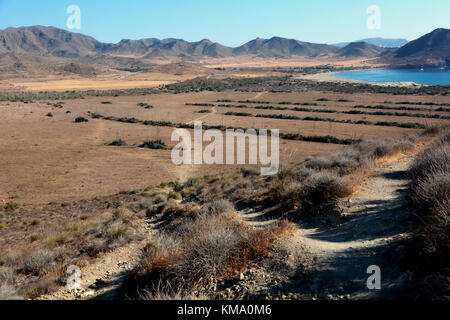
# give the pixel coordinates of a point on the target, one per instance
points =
(332, 77)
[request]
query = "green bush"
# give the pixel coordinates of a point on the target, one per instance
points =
(118, 142)
(11, 206)
(81, 120)
(154, 144)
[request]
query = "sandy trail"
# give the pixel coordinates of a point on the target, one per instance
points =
(334, 261)
(373, 220)
(214, 111)
(260, 94)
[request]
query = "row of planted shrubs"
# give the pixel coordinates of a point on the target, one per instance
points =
(351, 112)
(410, 125)
(287, 136)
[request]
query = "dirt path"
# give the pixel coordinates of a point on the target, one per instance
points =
(373, 220)
(331, 262)
(101, 279)
(214, 111)
(260, 94)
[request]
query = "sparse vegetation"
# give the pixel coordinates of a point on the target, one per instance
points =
(11, 206)
(208, 244)
(352, 112)
(287, 136)
(200, 104)
(145, 105)
(41, 267)
(429, 193)
(154, 144)
(238, 114)
(117, 143)
(8, 292)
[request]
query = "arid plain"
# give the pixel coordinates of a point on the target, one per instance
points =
(53, 158)
(74, 148)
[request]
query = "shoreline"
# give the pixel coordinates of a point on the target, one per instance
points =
(331, 77)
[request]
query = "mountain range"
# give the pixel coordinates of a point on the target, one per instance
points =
(53, 45)
(379, 42)
(431, 50)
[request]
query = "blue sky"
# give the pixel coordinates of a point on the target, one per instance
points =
(233, 22)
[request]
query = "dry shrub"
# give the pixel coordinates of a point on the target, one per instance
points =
(258, 243)
(37, 261)
(433, 194)
(94, 247)
(116, 233)
(243, 184)
(376, 149)
(12, 259)
(429, 192)
(288, 195)
(286, 172)
(175, 196)
(7, 289)
(123, 214)
(250, 172)
(435, 130)
(361, 154)
(173, 213)
(304, 173)
(47, 284)
(139, 206)
(432, 161)
(6, 274)
(217, 207)
(343, 161)
(210, 249)
(8, 292)
(215, 244)
(167, 292)
(323, 187)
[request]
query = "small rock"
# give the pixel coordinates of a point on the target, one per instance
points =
(89, 293)
(241, 276)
